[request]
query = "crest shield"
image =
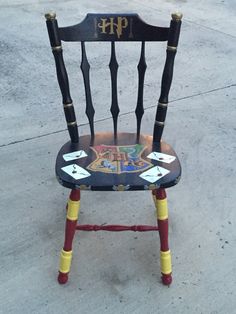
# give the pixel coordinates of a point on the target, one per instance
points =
(119, 159)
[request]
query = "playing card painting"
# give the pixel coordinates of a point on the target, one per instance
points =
(119, 159)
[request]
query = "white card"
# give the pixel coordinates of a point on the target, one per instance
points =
(74, 155)
(161, 157)
(76, 171)
(154, 174)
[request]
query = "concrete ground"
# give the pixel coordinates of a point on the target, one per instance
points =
(118, 273)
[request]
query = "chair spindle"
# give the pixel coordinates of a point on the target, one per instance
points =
(113, 65)
(62, 77)
(85, 67)
(139, 111)
(167, 76)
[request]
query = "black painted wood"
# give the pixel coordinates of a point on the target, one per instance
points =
(113, 65)
(167, 76)
(62, 76)
(166, 79)
(115, 182)
(63, 79)
(53, 32)
(173, 37)
(163, 100)
(113, 27)
(139, 111)
(85, 67)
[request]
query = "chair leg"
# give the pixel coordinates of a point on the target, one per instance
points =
(160, 200)
(73, 206)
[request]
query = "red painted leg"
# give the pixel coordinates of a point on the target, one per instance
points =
(71, 222)
(162, 220)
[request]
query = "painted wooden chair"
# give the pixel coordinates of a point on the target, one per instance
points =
(115, 161)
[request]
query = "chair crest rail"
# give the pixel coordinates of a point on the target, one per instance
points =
(113, 27)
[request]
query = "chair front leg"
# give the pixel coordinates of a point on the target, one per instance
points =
(160, 200)
(73, 206)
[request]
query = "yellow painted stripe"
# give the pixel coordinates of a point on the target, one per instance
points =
(73, 210)
(166, 262)
(162, 209)
(65, 261)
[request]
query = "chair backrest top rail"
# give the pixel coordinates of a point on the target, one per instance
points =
(113, 27)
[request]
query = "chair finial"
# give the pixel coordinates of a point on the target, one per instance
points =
(177, 16)
(50, 16)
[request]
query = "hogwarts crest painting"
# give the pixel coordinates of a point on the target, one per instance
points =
(119, 159)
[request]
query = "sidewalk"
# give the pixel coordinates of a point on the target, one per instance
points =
(119, 273)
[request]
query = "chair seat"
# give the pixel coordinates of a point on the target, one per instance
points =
(104, 163)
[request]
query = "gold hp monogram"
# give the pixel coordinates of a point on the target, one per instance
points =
(108, 26)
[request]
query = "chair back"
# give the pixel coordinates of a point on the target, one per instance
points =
(113, 28)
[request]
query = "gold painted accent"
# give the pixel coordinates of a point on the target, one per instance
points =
(73, 210)
(177, 16)
(103, 25)
(84, 187)
(57, 48)
(171, 48)
(65, 261)
(68, 105)
(152, 187)
(162, 209)
(161, 104)
(50, 16)
(71, 123)
(165, 258)
(122, 22)
(120, 187)
(160, 123)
